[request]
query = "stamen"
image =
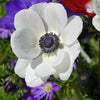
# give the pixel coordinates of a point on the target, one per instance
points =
(49, 42)
(47, 87)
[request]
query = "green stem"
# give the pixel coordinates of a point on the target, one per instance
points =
(77, 90)
(56, 96)
(86, 57)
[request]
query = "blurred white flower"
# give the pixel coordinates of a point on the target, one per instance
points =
(96, 18)
(45, 41)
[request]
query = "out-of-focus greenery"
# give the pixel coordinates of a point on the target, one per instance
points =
(84, 82)
(2, 11)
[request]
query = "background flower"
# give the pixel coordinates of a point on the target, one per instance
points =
(80, 6)
(12, 7)
(8, 86)
(45, 90)
(96, 18)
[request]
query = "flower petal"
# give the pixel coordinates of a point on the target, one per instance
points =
(24, 44)
(56, 88)
(41, 96)
(53, 65)
(96, 6)
(50, 95)
(63, 62)
(29, 19)
(44, 69)
(36, 61)
(47, 96)
(31, 79)
(72, 30)
(96, 22)
(39, 8)
(21, 66)
(66, 75)
(74, 51)
(56, 17)
(6, 22)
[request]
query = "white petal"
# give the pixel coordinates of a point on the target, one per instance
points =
(21, 66)
(36, 61)
(31, 79)
(29, 19)
(35, 83)
(75, 50)
(44, 69)
(56, 17)
(96, 6)
(66, 75)
(24, 44)
(72, 30)
(63, 63)
(39, 8)
(53, 65)
(96, 22)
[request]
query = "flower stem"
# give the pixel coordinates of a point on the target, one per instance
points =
(86, 57)
(56, 96)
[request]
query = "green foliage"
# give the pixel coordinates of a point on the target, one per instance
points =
(4, 72)
(2, 11)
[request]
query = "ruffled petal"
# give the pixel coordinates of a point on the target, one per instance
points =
(53, 65)
(31, 20)
(21, 66)
(65, 76)
(39, 8)
(63, 62)
(74, 51)
(96, 22)
(72, 30)
(56, 17)
(24, 44)
(44, 69)
(31, 79)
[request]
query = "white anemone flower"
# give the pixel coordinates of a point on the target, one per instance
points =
(96, 18)
(45, 41)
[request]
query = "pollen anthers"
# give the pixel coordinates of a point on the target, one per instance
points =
(47, 87)
(49, 42)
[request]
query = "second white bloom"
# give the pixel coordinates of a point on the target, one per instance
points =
(96, 18)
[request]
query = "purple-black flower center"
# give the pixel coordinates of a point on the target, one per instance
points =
(49, 42)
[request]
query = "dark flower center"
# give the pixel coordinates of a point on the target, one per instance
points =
(49, 42)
